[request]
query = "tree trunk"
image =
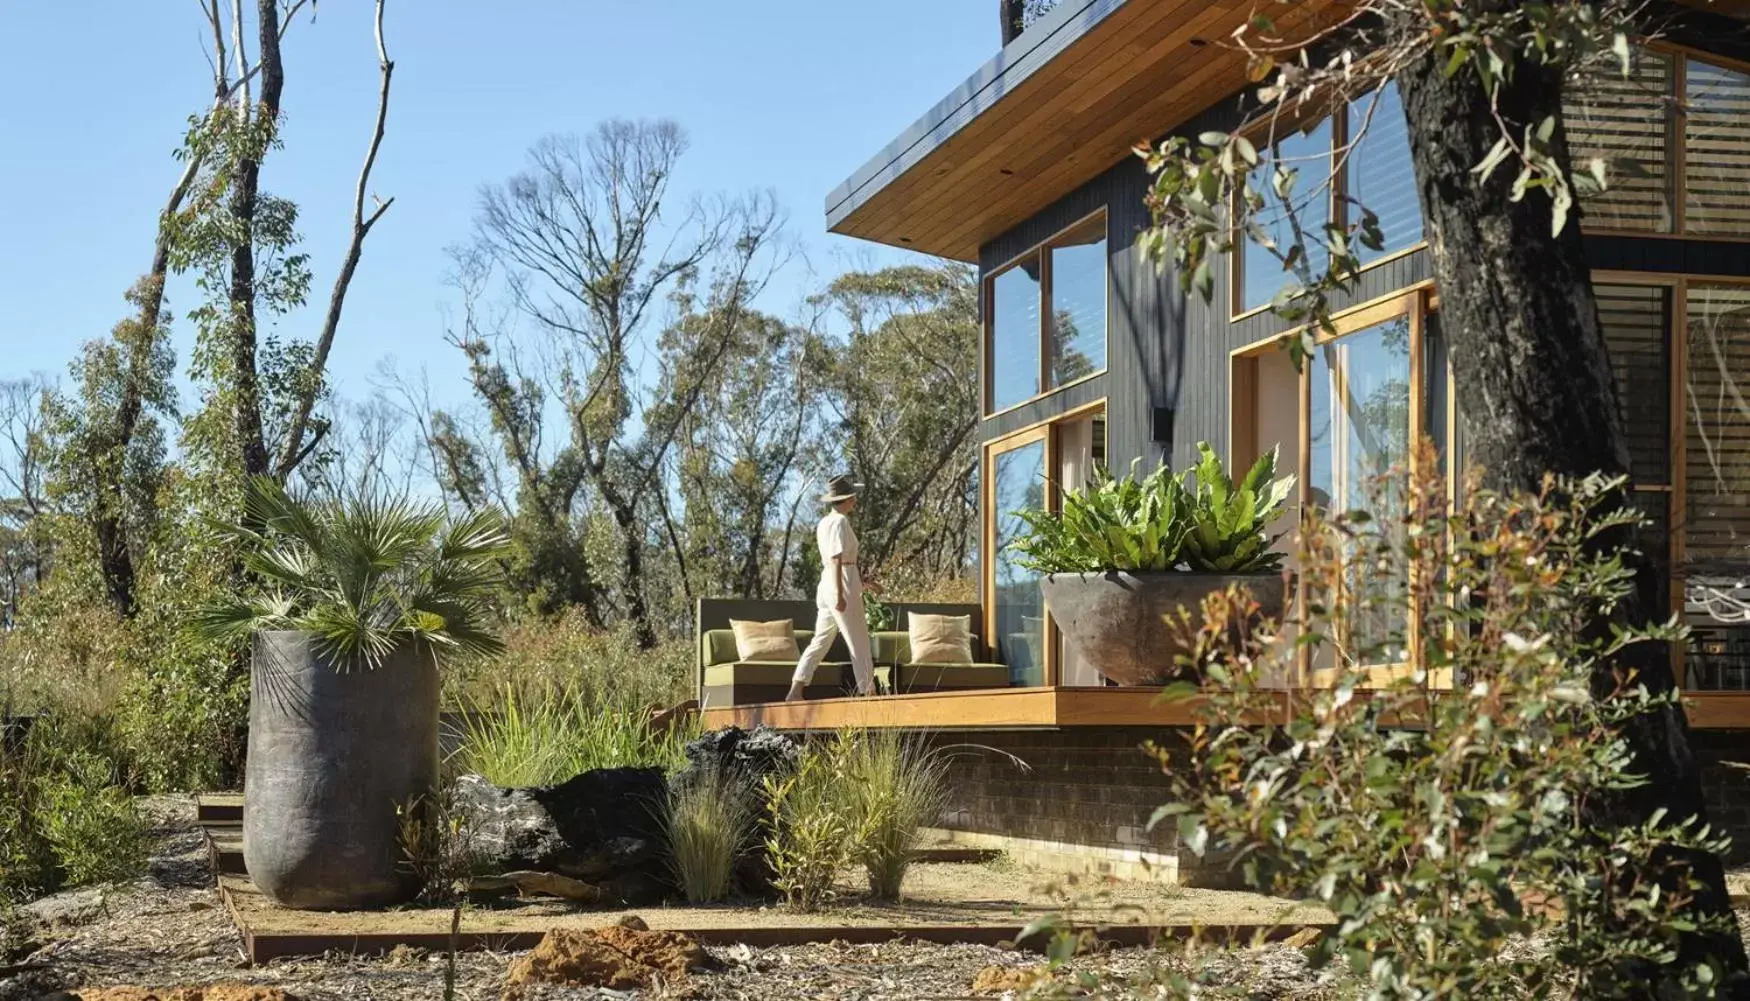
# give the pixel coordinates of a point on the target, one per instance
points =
(632, 550)
(1014, 15)
(1530, 365)
(247, 422)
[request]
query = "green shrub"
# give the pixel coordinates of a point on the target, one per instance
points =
(810, 830)
(27, 862)
(602, 666)
(1165, 521)
(527, 738)
(709, 822)
(1467, 856)
(90, 822)
(184, 716)
(437, 847)
(896, 786)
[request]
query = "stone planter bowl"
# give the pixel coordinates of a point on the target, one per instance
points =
(335, 757)
(1117, 621)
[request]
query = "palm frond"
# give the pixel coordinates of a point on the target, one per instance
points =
(366, 576)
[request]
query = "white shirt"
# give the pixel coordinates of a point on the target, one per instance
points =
(836, 539)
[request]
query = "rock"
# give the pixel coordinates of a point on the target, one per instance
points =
(615, 957)
(67, 909)
(602, 827)
(751, 755)
(633, 922)
(1002, 979)
(207, 992)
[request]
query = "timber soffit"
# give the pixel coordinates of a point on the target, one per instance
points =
(1017, 61)
(1056, 107)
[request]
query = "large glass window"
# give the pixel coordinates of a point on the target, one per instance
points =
(1717, 436)
(1018, 610)
(1378, 174)
(1617, 118)
(1635, 320)
(1307, 156)
(1716, 150)
(1046, 324)
(1014, 334)
(1669, 105)
(1358, 425)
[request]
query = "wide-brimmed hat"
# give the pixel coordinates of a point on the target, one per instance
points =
(840, 488)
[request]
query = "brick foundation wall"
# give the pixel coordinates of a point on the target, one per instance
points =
(1093, 787)
(1088, 785)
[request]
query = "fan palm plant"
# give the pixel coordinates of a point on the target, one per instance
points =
(365, 577)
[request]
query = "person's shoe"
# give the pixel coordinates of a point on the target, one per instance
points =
(795, 692)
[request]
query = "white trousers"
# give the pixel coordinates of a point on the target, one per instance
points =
(829, 622)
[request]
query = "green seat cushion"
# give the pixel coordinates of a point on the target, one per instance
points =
(752, 672)
(933, 677)
(717, 646)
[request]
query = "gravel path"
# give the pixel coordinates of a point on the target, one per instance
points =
(169, 930)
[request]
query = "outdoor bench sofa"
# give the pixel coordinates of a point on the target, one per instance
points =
(725, 680)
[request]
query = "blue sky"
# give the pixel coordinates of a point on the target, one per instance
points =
(790, 95)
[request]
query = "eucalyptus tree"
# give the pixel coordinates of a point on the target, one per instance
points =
(901, 410)
(589, 250)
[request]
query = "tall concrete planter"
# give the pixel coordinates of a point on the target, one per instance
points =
(1117, 621)
(333, 755)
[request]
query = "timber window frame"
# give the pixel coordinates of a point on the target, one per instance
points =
(1047, 433)
(1044, 338)
(1246, 438)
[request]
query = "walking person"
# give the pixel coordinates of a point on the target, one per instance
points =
(839, 598)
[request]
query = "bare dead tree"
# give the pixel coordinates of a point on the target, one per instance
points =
(293, 450)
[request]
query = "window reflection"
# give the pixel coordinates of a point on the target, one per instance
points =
(1379, 173)
(1308, 155)
(1018, 484)
(1014, 333)
(1716, 172)
(1078, 303)
(1359, 437)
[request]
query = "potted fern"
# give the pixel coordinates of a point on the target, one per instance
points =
(1124, 554)
(356, 605)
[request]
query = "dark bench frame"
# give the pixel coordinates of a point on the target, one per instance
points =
(716, 613)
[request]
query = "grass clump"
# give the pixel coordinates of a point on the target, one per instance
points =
(897, 785)
(545, 736)
(861, 798)
(709, 822)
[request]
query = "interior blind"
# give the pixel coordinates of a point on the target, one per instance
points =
(1717, 432)
(1717, 151)
(1616, 118)
(1635, 319)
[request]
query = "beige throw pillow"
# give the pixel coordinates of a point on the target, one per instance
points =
(940, 639)
(765, 640)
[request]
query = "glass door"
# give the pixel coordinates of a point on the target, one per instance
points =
(1017, 609)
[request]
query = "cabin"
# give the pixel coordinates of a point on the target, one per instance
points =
(1092, 355)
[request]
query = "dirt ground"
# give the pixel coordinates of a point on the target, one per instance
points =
(170, 930)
